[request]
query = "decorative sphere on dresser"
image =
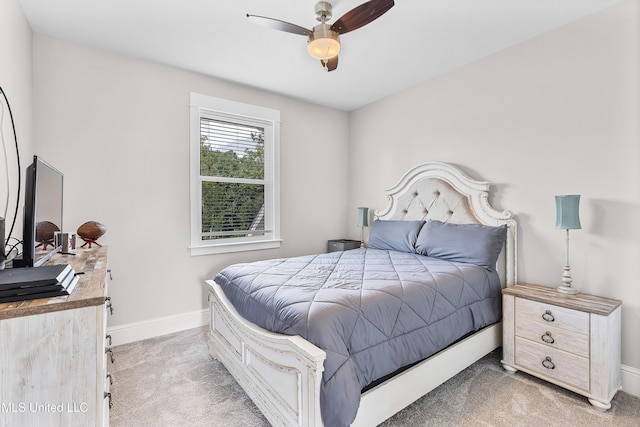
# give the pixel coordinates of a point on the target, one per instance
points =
(90, 232)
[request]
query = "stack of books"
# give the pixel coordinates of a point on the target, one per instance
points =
(20, 284)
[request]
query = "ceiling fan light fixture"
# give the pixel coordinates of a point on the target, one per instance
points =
(324, 43)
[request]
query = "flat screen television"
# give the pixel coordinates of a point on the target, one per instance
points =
(42, 214)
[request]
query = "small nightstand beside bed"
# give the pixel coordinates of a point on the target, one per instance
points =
(573, 341)
(395, 319)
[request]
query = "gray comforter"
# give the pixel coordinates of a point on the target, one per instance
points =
(372, 311)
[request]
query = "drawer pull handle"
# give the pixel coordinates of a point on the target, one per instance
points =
(547, 363)
(107, 301)
(548, 338)
(110, 353)
(108, 396)
(548, 316)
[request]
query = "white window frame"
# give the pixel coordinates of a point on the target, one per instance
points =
(269, 119)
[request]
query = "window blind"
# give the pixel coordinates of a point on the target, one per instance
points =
(232, 176)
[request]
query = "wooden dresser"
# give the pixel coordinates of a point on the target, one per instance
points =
(573, 341)
(53, 352)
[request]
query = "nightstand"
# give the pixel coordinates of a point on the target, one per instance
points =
(342, 245)
(573, 341)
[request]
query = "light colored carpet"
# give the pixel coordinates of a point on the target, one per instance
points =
(172, 381)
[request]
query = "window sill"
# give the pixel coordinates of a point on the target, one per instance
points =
(222, 248)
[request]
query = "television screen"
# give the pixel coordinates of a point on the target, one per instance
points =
(42, 213)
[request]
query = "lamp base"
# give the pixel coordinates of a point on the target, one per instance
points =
(563, 289)
(566, 279)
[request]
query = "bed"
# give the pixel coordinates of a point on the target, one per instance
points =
(283, 372)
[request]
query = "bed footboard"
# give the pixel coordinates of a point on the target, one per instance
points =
(280, 373)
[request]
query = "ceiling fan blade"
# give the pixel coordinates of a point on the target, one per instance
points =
(361, 15)
(331, 64)
(277, 24)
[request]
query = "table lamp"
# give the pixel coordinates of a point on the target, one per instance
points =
(567, 218)
(363, 221)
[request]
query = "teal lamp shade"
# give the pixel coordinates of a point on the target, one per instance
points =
(567, 212)
(363, 217)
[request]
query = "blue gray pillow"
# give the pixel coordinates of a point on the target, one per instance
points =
(394, 235)
(471, 243)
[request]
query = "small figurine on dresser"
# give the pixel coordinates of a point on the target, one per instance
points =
(90, 232)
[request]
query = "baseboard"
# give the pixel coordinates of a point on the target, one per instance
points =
(631, 380)
(137, 331)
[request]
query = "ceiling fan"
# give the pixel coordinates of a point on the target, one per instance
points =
(324, 39)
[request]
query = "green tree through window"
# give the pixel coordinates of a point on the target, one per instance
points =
(232, 172)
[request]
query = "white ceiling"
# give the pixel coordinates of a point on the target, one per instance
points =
(415, 41)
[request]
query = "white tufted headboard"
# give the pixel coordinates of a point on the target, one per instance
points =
(442, 192)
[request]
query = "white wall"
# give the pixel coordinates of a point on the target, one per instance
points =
(119, 130)
(559, 114)
(16, 82)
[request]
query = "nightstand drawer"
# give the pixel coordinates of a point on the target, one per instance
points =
(562, 339)
(557, 364)
(548, 314)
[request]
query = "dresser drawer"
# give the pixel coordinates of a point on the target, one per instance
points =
(560, 365)
(548, 314)
(563, 339)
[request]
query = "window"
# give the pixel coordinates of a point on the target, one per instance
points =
(234, 176)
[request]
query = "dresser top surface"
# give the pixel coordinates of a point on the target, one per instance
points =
(89, 291)
(549, 295)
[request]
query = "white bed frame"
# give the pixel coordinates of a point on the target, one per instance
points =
(282, 374)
